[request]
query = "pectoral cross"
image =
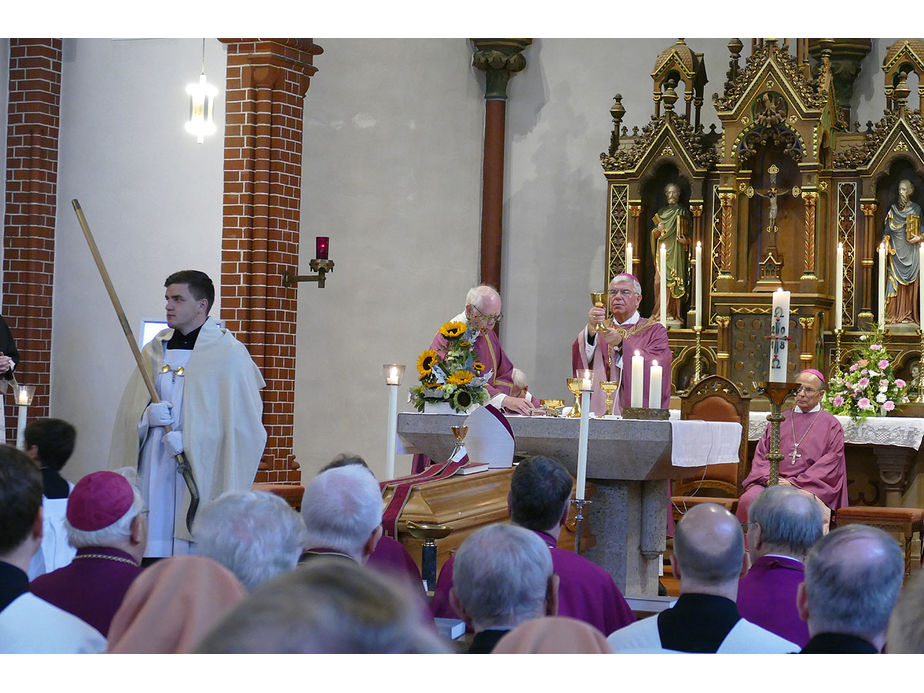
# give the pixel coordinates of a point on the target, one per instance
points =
(795, 452)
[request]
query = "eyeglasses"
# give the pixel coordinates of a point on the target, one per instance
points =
(807, 390)
(624, 292)
(488, 318)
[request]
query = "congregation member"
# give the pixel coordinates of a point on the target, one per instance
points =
(327, 606)
(783, 524)
(342, 510)
(105, 522)
(209, 391)
(553, 635)
(389, 555)
(905, 634)
(50, 442)
(609, 353)
(812, 446)
(852, 579)
(172, 605)
(539, 499)
(254, 534)
(708, 560)
(28, 624)
(502, 576)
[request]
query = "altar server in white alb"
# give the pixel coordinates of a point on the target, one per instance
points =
(210, 397)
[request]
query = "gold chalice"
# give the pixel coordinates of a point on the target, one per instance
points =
(609, 387)
(553, 407)
(574, 384)
(599, 301)
(459, 433)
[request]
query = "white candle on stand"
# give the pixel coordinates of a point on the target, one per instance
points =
(582, 445)
(628, 258)
(638, 380)
(392, 431)
(839, 287)
(654, 386)
(664, 285)
(882, 284)
(699, 284)
(779, 327)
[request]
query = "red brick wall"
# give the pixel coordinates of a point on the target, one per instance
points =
(265, 88)
(29, 225)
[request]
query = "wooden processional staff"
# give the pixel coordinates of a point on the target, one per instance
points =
(181, 461)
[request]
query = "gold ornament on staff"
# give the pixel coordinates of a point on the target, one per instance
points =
(574, 384)
(181, 462)
(609, 387)
(599, 301)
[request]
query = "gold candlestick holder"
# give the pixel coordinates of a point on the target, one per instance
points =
(920, 398)
(777, 393)
(609, 387)
(698, 372)
(574, 384)
(599, 301)
(837, 351)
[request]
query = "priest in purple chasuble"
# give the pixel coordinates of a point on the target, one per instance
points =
(812, 445)
(609, 352)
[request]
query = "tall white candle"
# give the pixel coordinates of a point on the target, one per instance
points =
(882, 284)
(699, 284)
(629, 258)
(21, 427)
(638, 380)
(779, 330)
(654, 386)
(582, 446)
(921, 283)
(664, 285)
(839, 287)
(392, 431)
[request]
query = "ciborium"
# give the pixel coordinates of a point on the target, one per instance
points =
(599, 301)
(574, 384)
(609, 387)
(552, 407)
(459, 433)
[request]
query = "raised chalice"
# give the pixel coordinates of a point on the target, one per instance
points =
(609, 387)
(574, 384)
(599, 301)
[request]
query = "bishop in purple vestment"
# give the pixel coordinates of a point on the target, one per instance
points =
(812, 445)
(540, 492)
(609, 353)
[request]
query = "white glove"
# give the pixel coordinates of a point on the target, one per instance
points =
(173, 443)
(159, 414)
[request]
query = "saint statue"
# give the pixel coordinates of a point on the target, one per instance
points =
(672, 225)
(902, 238)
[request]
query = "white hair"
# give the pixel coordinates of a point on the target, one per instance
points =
(254, 534)
(519, 378)
(341, 509)
(116, 533)
(627, 278)
(477, 294)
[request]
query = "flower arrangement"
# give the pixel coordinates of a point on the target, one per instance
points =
(869, 387)
(452, 374)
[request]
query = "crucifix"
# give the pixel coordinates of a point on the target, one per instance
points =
(770, 265)
(795, 452)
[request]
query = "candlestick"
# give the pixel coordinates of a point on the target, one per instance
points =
(638, 380)
(393, 374)
(882, 284)
(779, 336)
(699, 284)
(23, 400)
(839, 287)
(654, 386)
(663, 269)
(698, 369)
(628, 258)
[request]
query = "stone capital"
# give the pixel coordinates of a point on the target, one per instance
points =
(499, 58)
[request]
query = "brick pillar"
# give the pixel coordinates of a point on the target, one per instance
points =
(266, 83)
(29, 226)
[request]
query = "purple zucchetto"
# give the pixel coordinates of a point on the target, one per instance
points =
(817, 374)
(99, 500)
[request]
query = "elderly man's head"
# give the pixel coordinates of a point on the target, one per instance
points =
(482, 307)
(708, 551)
(254, 534)
(811, 389)
(783, 520)
(342, 509)
(852, 579)
(105, 509)
(625, 296)
(503, 576)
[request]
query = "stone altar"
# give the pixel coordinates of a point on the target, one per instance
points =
(629, 462)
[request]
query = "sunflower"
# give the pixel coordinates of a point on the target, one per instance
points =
(425, 362)
(452, 330)
(461, 400)
(478, 366)
(460, 378)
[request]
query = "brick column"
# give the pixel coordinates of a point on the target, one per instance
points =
(266, 83)
(29, 226)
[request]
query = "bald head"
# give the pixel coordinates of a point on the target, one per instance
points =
(709, 548)
(786, 521)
